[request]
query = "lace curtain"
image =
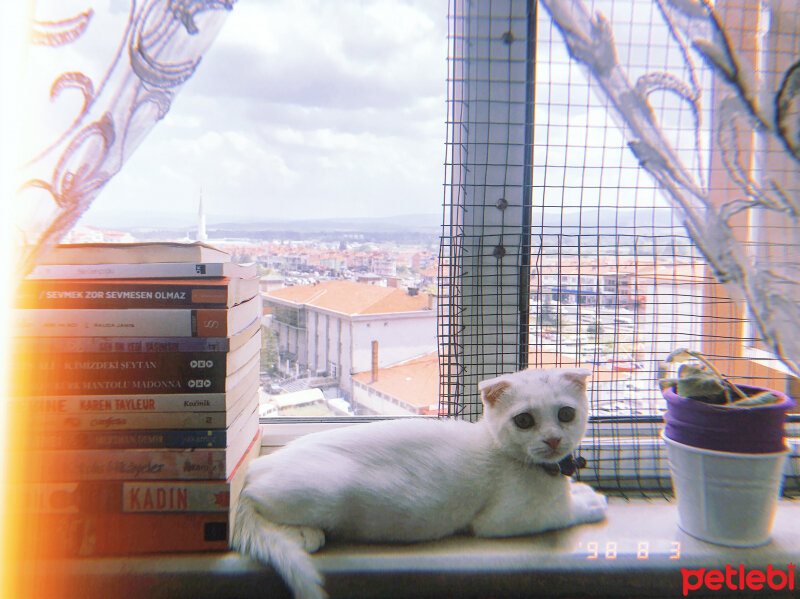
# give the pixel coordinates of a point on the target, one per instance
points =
(740, 202)
(97, 77)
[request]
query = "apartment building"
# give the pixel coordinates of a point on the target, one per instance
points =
(340, 328)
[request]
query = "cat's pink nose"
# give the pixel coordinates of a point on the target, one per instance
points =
(553, 443)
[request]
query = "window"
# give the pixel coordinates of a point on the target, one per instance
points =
(559, 246)
(308, 140)
(587, 262)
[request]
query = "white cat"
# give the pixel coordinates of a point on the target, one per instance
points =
(420, 479)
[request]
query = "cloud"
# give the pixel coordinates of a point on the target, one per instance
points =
(345, 54)
(305, 108)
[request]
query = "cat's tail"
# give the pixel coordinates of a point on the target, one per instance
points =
(272, 544)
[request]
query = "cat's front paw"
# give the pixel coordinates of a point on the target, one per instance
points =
(587, 504)
(581, 489)
(311, 539)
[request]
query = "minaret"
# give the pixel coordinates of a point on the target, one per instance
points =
(201, 221)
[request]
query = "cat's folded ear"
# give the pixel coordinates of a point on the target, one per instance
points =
(492, 389)
(576, 378)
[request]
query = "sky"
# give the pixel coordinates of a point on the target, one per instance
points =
(319, 109)
(300, 109)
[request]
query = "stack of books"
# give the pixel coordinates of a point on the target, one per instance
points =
(136, 375)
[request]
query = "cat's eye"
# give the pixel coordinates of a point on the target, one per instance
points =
(566, 414)
(524, 420)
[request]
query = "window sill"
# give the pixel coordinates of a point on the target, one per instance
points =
(551, 564)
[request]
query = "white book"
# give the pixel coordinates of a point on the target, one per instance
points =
(129, 253)
(127, 421)
(145, 270)
(135, 322)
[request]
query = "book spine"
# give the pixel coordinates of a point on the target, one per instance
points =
(96, 535)
(122, 421)
(76, 465)
(150, 270)
(122, 365)
(146, 383)
(114, 345)
(96, 497)
(83, 294)
(55, 385)
(125, 464)
(171, 402)
(30, 322)
(111, 345)
(136, 252)
(144, 439)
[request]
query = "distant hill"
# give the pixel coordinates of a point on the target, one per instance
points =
(131, 220)
(422, 223)
(571, 221)
(644, 220)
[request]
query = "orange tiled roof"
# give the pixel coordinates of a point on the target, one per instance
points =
(349, 297)
(415, 382)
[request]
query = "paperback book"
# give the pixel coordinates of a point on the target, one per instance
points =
(146, 382)
(143, 464)
(155, 518)
(101, 535)
(153, 270)
(141, 439)
(123, 421)
(135, 293)
(134, 253)
(148, 402)
(35, 369)
(130, 497)
(113, 345)
(135, 322)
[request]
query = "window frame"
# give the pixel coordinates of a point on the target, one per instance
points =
(726, 317)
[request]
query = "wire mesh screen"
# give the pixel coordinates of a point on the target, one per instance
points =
(606, 275)
(485, 267)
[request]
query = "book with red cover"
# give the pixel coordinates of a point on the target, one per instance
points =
(168, 496)
(100, 533)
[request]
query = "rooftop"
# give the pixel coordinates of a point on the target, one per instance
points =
(415, 382)
(349, 297)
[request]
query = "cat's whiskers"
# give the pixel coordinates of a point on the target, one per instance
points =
(528, 461)
(547, 454)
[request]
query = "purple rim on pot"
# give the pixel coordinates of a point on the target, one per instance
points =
(759, 429)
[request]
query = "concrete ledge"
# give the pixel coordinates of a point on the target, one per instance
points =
(638, 552)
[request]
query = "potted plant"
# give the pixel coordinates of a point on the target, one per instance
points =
(726, 451)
